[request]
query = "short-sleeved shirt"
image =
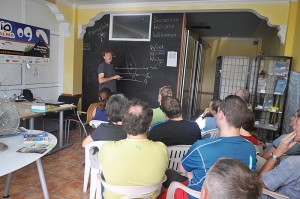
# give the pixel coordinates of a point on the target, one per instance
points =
(206, 124)
(109, 132)
(172, 132)
(133, 162)
(109, 71)
(204, 153)
(158, 116)
(100, 115)
(251, 138)
(295, 150)
(285, 178)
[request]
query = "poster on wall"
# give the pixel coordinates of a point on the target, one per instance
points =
(30, 42)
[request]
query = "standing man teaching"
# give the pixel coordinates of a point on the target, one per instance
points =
(106, 73)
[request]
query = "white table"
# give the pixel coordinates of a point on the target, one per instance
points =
(24, 109)
(11, 160)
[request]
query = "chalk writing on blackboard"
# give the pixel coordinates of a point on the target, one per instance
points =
(162, 25)
(157, 55)
(86, 46)
(133, 73)
(100, 31)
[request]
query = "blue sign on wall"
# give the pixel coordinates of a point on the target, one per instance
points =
(24, 40)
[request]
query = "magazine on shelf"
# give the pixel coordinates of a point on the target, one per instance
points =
(280, 86)
(281, 68)
(261, 85)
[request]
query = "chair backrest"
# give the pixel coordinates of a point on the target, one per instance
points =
(258, 150)
(131, 191)
(89, 112)
(69, 99)
(214, 133)
(177, 185)
(260, 162)
(274, 194)
(176, 152)
(92, 164)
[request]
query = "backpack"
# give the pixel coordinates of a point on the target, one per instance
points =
(28, 95)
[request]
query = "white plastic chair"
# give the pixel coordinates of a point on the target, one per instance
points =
(258, 150)
(88, 169)
(260, 162)
(274, 194)
(129, 191)
(176, 153)
(96, 123)
(177, 185)
(214, 133)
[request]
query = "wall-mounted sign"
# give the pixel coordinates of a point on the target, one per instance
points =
(23, 40)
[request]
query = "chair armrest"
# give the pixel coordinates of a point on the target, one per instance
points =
(274, 194)
(177, 185)
(81, 112)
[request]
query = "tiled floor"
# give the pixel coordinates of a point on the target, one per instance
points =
(63, 170)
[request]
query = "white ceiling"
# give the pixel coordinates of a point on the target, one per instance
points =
(208, 24)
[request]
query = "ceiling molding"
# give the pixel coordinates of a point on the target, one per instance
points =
(282, 33)
(65, 27)
(93, 5)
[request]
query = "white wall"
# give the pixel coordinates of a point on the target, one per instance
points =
(43, 79)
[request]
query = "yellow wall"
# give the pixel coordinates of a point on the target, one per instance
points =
(296, 42)
(271, 43)
(222, 47)
(73, 46)
(73, 53)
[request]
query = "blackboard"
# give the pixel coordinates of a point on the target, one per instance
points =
(142, 64)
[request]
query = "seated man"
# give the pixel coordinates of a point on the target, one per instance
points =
(113, 130)
(295, 150)
(136, 160)
(230, 178)
(157, 112)
(245, 95)
(285, 178)
(204, 153)
(209, 123)
(176, 130)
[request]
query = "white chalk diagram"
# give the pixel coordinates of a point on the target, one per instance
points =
(132, 73)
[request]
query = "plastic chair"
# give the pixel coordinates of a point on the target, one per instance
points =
(88, 169)
(176, 153)
(177, 185)
(67, 99)
(259, 151)
(89, 117)
(214, 133)
(129, 191)
(260, 162)
(274, 194)
(96, 123)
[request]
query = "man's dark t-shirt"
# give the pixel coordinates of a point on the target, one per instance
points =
(109, 71)
(108, 132)
(171, 133)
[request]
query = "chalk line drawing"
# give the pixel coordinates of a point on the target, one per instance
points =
(101, 36)
(133, 73)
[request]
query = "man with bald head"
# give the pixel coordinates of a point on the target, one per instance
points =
(134, 161)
